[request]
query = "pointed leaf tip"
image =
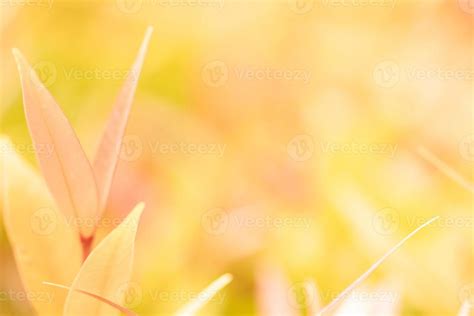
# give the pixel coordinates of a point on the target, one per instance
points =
(106, 270)
(108, 152)
(372, 268)
(37, 232)
(16, 54)
(205, 296)
(118, 307)
(65, 167)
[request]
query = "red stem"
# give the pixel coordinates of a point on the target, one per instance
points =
(86, 246)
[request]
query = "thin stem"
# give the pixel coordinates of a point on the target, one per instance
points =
(122, 309)
(364, 276)
(86, 243)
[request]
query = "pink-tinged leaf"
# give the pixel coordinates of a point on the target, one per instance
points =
(367, 273)
(274, 293)
(106, 271)
(205, 296)
(445, 168)
(465, 309)
(66, 169)
(109, 149)
(313, 301)
(44, 245)
(118, 307)
(368, 302)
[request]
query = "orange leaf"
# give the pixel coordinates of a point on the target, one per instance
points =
(120, 308)
(205, 296)
(110, 145)
(66, 169)
(106, 270)
(371, 269)
(45, 247)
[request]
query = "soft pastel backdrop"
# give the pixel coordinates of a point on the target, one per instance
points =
(283, 99)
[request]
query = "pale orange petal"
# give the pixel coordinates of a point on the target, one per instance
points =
(118, 307)
(106, 270)
(274, 293)
(372, 268)
(109, 149)
(205, 296)
(45, 247)
(466, 308)
(66, 169)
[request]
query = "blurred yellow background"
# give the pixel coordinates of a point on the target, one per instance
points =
(282, 136)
